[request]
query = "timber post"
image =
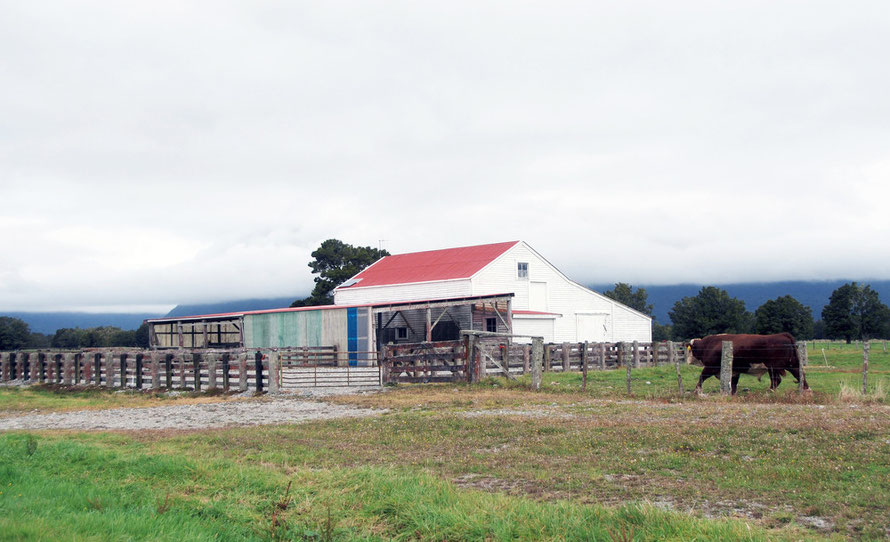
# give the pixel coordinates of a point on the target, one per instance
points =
(801, 363)
(526, 358)
(675, 361)
(865, 348)
(123, 372)
(274, 380)
(628, 366)
(4, 366)
(109, 369)
(602, 353)
(566, 350)
(168, 371)
(196, 368)
(20, 365)
(258, 365)
(471, 358)
(182, 376)
(155, 371)
(68, 369)
(140, 370)
(242, 372)
(584, 361)
(86, 368)
(212, 368)
(547, 355)
(726, 368)
(537, 362)
(636, 354)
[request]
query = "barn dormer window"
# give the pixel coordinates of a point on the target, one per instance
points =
(522, 270)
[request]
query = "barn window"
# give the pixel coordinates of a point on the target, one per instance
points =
(522, 270)
(401, 333)
(491, 325)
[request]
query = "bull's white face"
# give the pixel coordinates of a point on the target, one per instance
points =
(690, 359)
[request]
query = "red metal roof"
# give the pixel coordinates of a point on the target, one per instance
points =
(431, 265)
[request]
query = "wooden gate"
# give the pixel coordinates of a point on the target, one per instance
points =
(443, 361)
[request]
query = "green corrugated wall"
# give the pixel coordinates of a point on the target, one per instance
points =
(280, 329)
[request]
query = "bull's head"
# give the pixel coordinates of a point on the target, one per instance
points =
(690, 357)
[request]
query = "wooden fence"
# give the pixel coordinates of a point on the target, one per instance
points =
(229, 370)
(449, 361)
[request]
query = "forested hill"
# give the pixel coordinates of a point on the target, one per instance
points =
(49, 322)
(232, 306)
(812, 294)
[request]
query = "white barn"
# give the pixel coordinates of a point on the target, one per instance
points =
(543, 301)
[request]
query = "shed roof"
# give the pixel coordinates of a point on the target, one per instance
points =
(428, 266)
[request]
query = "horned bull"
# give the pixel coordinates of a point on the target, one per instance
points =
(752, 354)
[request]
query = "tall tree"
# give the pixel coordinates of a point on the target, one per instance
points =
(711, 311)
(14, 333)
(855, 311)
(625, 294)
(784, 314)
(68, 337)
(334, 262)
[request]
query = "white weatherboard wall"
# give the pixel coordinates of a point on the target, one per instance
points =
(442, 289)
(584, 315)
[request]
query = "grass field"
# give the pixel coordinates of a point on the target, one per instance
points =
(493, 461)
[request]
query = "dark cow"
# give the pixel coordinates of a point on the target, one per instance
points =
(751, 354)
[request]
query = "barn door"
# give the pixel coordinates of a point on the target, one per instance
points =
(592, 327)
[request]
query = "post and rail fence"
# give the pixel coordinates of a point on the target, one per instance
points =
(240, 370)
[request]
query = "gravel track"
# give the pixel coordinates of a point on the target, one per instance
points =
(275, 410)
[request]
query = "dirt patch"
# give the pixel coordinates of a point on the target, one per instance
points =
(196, 416)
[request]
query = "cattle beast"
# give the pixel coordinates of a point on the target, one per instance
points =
(751, 354)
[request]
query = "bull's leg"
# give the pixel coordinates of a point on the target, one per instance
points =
(775, 378)
(735, 382)
(706, 373)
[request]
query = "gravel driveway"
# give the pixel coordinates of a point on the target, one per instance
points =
(262, 411)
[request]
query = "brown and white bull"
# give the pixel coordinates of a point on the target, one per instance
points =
(751, 354)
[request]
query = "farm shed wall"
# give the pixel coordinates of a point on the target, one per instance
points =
(347, 328)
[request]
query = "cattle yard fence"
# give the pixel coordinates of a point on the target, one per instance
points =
(257, 370)
(479, 354)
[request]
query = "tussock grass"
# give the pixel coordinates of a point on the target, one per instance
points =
(852, 392)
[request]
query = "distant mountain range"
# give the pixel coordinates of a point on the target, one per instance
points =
(233, 306)
(812, 294)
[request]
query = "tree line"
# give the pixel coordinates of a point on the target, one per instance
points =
(854, 312)
(15, 334)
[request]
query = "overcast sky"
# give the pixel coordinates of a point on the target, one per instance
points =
(155, 153)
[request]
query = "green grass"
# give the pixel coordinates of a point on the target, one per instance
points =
(107, 488)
